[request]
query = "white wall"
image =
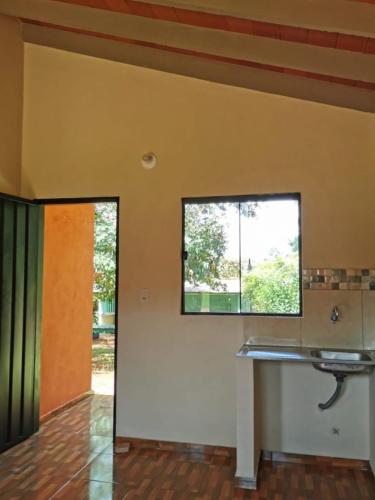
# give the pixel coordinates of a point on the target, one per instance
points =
(372, 421)
(291, 421)
(86, 124)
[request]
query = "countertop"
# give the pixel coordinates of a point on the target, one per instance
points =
(301, 354)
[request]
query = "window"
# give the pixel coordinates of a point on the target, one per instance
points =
(241, 255)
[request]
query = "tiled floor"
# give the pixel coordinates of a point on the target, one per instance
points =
(71, 458)
(64, 447)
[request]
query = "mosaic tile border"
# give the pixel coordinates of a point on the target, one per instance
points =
(338, 279)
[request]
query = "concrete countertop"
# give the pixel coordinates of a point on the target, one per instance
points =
(301, 354)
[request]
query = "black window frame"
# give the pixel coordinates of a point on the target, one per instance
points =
(238, 199)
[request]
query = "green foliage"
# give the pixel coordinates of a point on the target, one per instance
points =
(248, 208)
(229, 269)
(105, 251)
(103, 355)
(205, 244)
(269, 287)
(273, 286)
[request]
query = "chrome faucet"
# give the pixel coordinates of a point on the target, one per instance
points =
(335, 315)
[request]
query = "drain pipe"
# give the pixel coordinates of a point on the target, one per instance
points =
(340, 377)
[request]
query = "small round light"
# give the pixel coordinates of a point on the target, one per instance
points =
(148, 160)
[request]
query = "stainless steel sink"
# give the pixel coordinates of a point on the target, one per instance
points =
(340, 364)
(341, 355)
(334, 361)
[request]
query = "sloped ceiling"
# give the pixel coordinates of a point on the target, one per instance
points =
(322, 50)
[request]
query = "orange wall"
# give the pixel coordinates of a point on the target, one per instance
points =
(67, 304)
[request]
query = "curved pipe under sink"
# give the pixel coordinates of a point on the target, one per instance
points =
(340, 377)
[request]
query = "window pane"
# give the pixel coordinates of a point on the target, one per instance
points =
(211, 267)
(270, 257)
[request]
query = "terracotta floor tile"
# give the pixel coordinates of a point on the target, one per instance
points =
(71, 458)
(91, 490)
(42, 486)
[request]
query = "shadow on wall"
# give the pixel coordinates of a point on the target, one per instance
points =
(270, 408)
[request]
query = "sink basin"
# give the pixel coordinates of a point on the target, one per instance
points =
(341, 355)
(334, 361)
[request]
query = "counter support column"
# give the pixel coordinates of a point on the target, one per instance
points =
(247, 449)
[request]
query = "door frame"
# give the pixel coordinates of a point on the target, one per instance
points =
(92, 200)
(19, 199)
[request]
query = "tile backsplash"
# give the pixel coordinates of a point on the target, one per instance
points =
(271, 330)
(338, 279)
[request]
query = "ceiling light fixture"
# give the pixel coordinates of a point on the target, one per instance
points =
(148, 161)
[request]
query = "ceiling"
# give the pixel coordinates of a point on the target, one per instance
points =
(322, 50)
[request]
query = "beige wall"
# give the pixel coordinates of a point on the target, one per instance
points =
(87, 123)
(11, 96)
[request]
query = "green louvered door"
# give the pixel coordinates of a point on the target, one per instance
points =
(21, 238)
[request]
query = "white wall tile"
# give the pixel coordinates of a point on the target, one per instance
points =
(272, 331)
(317, 328)
(368, 300)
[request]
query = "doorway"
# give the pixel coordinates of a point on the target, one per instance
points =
(21, 266)
(79, 318)
(104, 301)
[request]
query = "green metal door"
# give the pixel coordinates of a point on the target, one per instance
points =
(21, 240)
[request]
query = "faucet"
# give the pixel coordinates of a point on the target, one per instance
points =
(335, 315)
